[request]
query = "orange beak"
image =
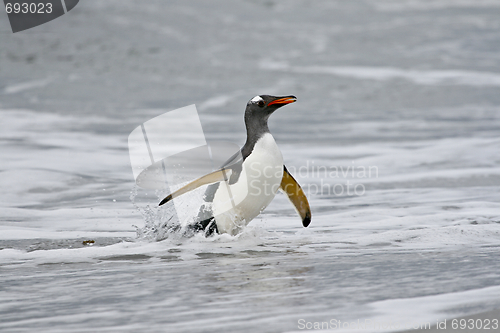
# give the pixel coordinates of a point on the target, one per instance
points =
(283, 100)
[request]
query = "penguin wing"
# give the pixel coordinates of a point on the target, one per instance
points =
(292, 189)
(213, 177)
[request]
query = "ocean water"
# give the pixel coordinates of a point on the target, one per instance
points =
(394, 138)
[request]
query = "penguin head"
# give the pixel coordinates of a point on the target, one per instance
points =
(258, 111)
(262, 106)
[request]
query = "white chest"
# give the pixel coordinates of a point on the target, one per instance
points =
(262, 171)
(264, 157)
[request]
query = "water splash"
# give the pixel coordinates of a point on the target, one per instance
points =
(163, 222)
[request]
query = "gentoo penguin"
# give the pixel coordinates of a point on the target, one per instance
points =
(246, 184)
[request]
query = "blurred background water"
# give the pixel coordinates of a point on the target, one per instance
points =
(408, 88)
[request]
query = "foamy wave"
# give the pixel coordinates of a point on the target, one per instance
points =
(421, 77)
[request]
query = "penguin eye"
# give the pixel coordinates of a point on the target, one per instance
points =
(258, 100)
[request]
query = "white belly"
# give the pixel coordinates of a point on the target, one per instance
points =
(234, 206)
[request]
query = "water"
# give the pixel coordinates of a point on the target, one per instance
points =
(398, 107)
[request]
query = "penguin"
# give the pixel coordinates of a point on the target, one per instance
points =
(245, 185)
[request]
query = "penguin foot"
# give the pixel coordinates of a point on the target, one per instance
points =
(208, 227)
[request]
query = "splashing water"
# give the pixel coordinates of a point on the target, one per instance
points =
(164, 222)
(158, 223)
